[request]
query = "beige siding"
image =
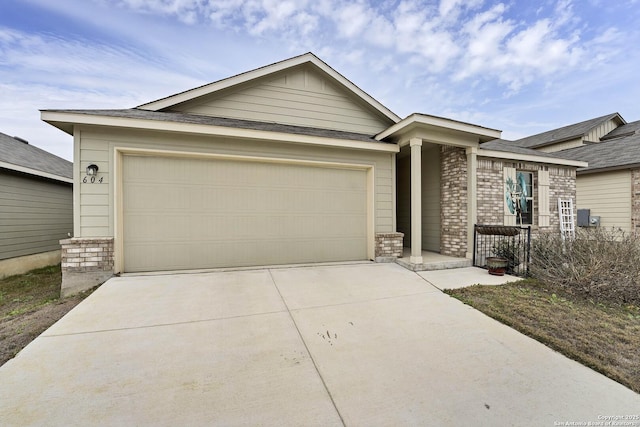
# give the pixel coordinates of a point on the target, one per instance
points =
(96, 202)
(608, 195)
(431, 198)
(602, 130)
(562, 146)
(299, 96)
(183, 213)
(34, 214)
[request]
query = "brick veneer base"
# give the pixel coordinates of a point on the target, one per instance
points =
(388, 246)
(86, 262)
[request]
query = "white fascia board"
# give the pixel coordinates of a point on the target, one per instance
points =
(530, 158)
(265, 71)
(17, 168)
(199, 129)
(416, 119)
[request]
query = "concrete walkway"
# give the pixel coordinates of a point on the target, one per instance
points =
(355, 345)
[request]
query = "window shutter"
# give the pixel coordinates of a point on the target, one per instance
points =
(509, 180)
(543, 198)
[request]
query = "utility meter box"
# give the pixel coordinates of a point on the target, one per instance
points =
(594, 221)
(583, 217)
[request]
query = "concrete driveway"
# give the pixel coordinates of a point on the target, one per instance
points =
(356, 345)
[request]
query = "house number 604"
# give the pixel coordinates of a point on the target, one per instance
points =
(92, 180)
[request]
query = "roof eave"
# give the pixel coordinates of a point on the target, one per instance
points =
(35, 172)
(63, 120)
(423, 120)
(531, 158)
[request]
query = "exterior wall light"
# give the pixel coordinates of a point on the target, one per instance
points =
(92, 170)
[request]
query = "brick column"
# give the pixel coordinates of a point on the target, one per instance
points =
(86, 262)
(454, 202)
(388, 246)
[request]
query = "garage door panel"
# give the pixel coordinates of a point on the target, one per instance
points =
(190, 213)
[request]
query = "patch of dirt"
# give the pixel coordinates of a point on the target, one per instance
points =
(19, 330)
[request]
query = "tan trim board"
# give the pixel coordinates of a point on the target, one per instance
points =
(166, 126)
(529, 158)
(416, 119)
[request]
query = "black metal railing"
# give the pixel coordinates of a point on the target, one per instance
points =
(510, 242)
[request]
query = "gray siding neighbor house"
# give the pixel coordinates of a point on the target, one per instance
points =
(36, 206)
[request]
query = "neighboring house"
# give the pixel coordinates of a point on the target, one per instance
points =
(36, 206)
(610, 186)
(289, 163)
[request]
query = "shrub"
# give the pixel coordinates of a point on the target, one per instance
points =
(600, 264)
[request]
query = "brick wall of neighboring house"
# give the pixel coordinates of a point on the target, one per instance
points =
(453, 208)
(388, 246)
(635, 201)
(86, 262)
(491, 188)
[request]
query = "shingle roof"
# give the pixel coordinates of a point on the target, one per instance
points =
(624, 130)
(136, 113)
(16, 152)
(615, 153)
(575, 130)
(510, 147)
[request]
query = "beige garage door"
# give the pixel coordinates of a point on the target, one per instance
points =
(185, 213)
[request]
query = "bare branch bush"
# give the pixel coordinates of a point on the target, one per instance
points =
(600, 263)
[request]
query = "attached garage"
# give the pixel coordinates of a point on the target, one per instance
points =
(279, 165)
(192, 213)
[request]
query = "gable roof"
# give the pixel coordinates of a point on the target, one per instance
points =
(307, 58)
(20, 156)
(618, 153)
(624, 130)
(565, 133)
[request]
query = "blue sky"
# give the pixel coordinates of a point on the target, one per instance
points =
(520, 66)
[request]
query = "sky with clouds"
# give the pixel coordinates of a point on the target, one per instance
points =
(520, 66)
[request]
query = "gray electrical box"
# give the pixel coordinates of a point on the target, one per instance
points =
(583, 217)
(594, 221)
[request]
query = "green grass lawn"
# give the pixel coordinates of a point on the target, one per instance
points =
(605, 337)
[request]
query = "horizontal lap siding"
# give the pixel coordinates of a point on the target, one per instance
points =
(608, 195)
(95, 197)
(34, 215)
(298, 97)
(96, 200)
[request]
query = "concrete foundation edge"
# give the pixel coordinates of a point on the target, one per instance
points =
(75, 282)
(22, 264)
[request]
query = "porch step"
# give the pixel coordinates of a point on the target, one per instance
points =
(435, 265)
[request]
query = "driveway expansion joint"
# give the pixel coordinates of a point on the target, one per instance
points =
(315, 365)
(159, 325)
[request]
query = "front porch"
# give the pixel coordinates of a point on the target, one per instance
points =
(432, 261)
(436, 190)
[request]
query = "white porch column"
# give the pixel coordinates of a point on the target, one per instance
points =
(416, 200)
(472, 196)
